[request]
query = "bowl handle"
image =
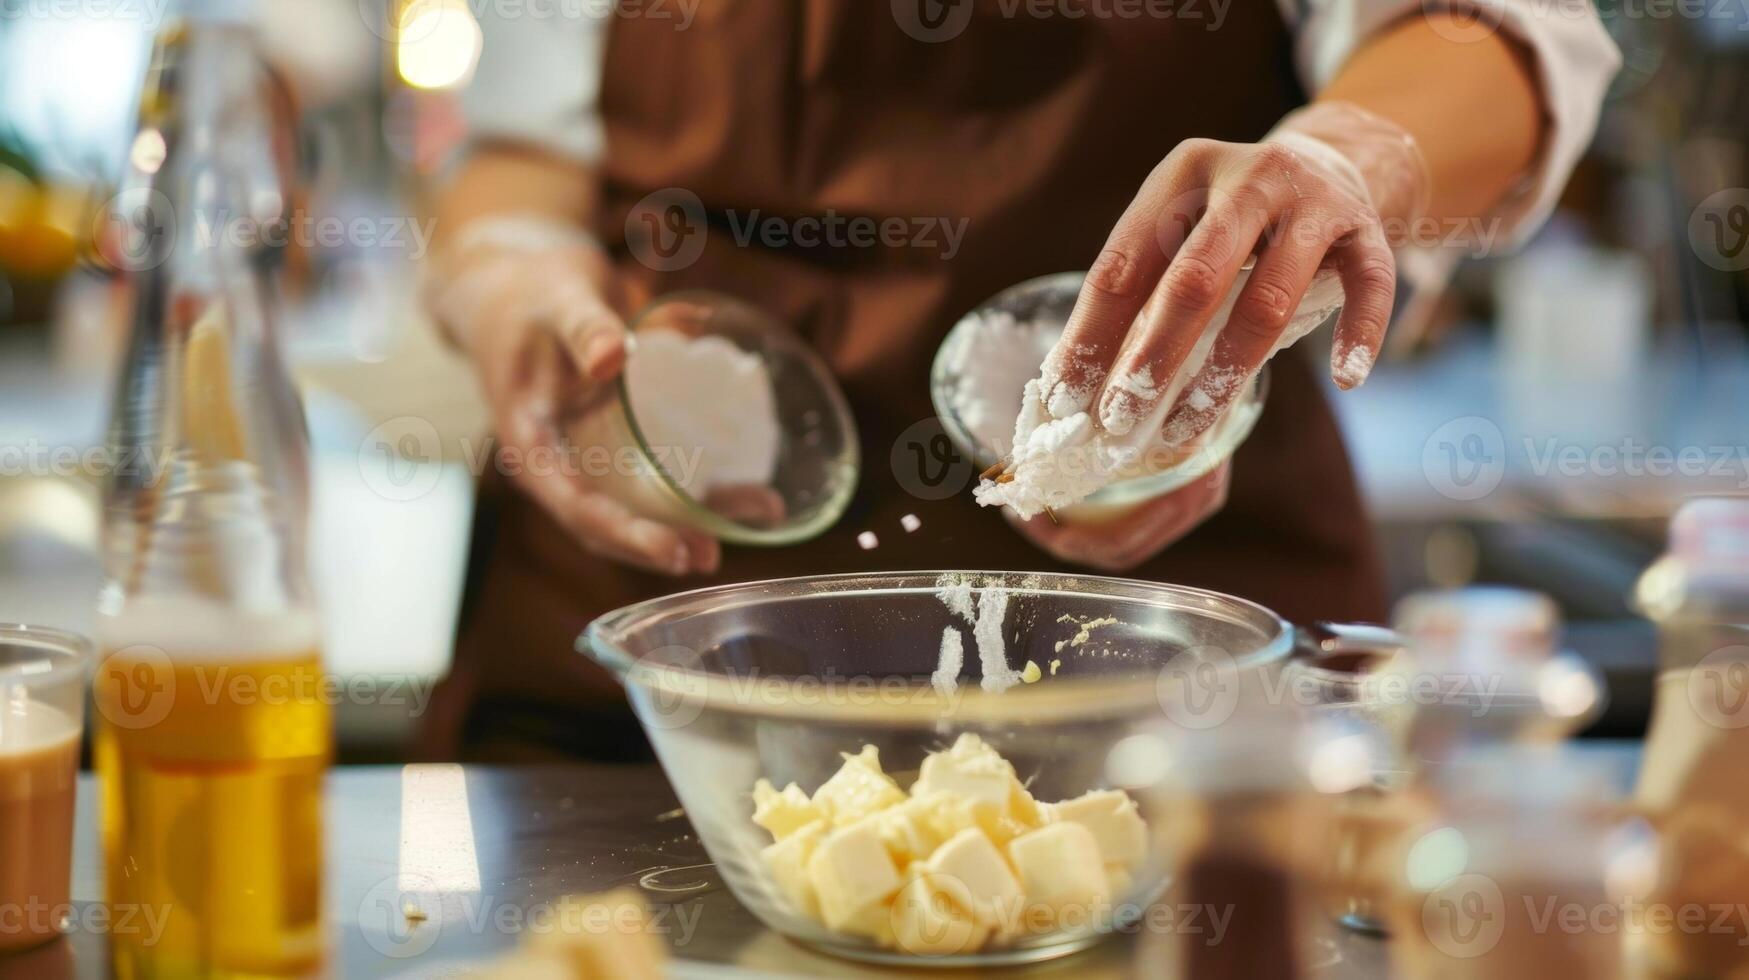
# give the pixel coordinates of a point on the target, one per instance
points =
(1325, 639)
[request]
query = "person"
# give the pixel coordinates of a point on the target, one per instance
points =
(1157, 148)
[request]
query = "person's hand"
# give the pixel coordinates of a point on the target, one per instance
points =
(1126, 541)
(540, 327)
(1319, 191)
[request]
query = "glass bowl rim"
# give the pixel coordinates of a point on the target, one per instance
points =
(1061, 699)
(68, 654)
(703, 517)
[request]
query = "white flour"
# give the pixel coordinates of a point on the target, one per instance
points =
(994, 357)
(708, 403)
(985, 615)
(1060, 455)
(946, 678)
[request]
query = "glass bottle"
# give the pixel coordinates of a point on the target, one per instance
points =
(1482, 666)
(1528, 866)
(1692, 778)
(212, 734)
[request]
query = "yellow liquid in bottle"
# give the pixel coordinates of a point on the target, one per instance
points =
(211, 769)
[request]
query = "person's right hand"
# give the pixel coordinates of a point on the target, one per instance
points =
(543, 335)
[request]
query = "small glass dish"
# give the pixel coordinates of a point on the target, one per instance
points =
(778, 679)
(818, 455)
(1051, 299)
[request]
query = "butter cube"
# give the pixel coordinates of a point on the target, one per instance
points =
(787, 860)
(1061, 870)
(857, 789)
(1114, 821)
(931, 916)
(783, 813)
(994, 895)
(853, 876)
(914, 828)
(970, 769)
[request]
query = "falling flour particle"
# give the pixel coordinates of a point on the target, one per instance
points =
(868, 541)
(992, 654)
(952, 661)
(910, 523)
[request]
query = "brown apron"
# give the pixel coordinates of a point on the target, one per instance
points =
(1037, 130)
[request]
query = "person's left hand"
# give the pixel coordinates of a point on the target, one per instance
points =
(1126, 541)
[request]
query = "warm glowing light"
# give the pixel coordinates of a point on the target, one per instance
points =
(148, 151)
(1341, 764)
(437, 43)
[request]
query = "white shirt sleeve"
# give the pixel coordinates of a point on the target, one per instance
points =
(538, 81)
(1575, 61)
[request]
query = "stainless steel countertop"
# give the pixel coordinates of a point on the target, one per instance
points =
(539, 833)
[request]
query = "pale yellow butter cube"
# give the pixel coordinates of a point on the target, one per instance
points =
(783, 813)
(1115, 822)
(854, 876)
(970, 859)
(913, 829)
(931, 916)
(857, 789)
(787, 860)
(971, 769)
(1062, 873)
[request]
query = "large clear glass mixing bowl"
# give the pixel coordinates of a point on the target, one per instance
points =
(778, 679)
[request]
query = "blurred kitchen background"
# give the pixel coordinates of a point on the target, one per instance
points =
(1536, 424)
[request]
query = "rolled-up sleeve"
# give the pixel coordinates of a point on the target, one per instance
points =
(538, 81)
(1573, 54)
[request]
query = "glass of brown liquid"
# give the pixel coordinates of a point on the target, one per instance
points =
(42, 703)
